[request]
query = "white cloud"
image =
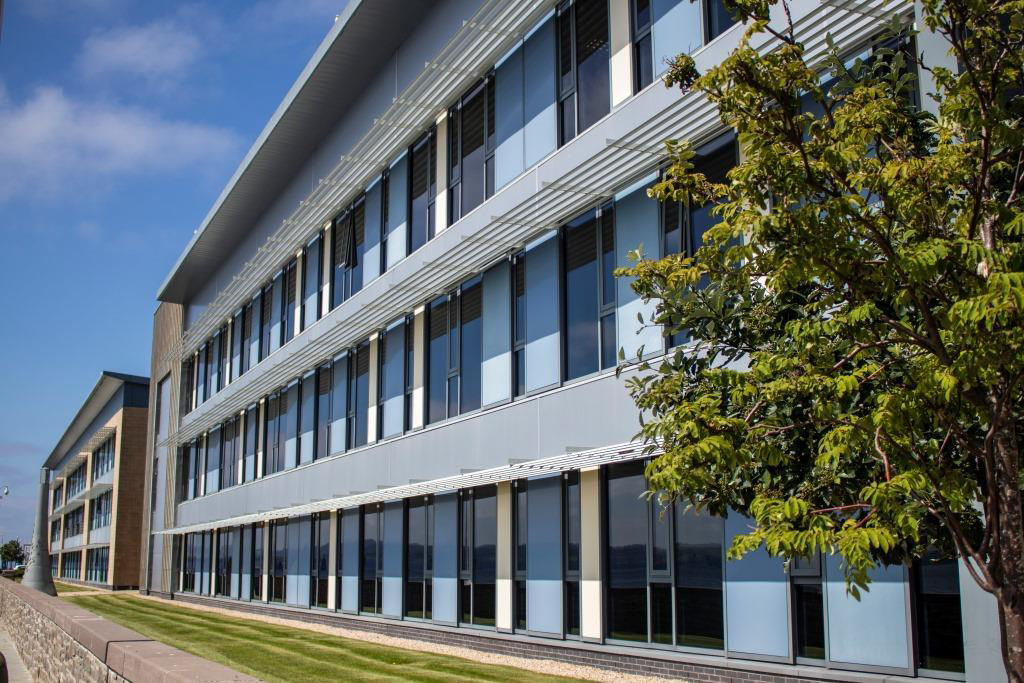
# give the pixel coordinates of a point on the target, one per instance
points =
(159, 51)
(54, 142)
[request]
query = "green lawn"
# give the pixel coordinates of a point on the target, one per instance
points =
(283, 653)
(69, 587)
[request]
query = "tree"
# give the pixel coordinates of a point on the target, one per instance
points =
(855, 382)
(12, 552)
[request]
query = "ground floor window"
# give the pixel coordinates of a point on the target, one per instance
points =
(256, 588)
(478, 530)
(320, 548)
(370, 584)
(96, 564)
(936, 590)
(278, 560)
(419, 557)
(225, 561)
(664, 567)
(71, 566)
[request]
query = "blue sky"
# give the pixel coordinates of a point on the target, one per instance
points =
(120, 123)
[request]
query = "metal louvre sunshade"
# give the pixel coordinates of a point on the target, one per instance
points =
(522, 470)
(471, 244)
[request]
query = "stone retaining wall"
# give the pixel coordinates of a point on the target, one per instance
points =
(62, 643)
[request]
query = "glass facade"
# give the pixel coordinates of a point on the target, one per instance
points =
(477, 555)
(97, 563)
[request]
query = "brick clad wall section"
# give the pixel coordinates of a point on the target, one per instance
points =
(130, 477)
(165, 361)
(60, 642)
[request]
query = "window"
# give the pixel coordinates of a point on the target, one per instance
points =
(419, 557)
(225, 558)
(683, 227)
(643, 56)
(278, 559)
(589, 290)
(312, 282)
(54, 531)
(370, 583)
(717, 19)
(73, 523)
(256, 586)
(266, 320)
(99, 511)
(229, 438)
(58, 497)
(250, 443)
(238, 343)
(664, 567)
(76, 482)
(188, 565)
(455, 351)
(215, 359)
(571, 525)
(251, 331)
(275, 432)
(392, 379)
(584, 90)
(187, 383)
(96, 563)
(202, 385)
(422, 189)
(307, 417)
(519, 570)
(471, 135)
(478, 530)
(348, 245)
(808, 608)
(212, 461)
(323, 411)
(71, 566)
(288, 302)
(320, 547)
(359, 395)
(103, 457)
(196, 470)
(939, 624)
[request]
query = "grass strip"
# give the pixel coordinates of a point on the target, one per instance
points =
(282, 653)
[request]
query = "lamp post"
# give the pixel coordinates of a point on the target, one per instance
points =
(37, 572)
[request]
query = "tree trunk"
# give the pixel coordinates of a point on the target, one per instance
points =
(1009, 565)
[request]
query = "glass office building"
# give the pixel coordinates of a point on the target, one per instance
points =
(391, 350)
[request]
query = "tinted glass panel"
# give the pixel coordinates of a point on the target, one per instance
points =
(810, 620)
(473, 132)
(592, 56)
(581, 297)
(940, 642)
(627, 552)
(471, 301)
(698, 565)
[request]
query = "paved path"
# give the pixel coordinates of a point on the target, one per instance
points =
(16, 671)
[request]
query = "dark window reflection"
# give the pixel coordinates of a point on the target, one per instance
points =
(627, 552)
(940, 644)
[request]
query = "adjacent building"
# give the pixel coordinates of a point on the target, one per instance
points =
(385, 364)
(96, 486)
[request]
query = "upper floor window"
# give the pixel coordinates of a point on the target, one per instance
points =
(99, 511)
(187, 384)
(471, 135)
(103, 457)
(584, 83)
(288, 302)
(422, 190)
(312, 282)
(589, 290)
(76, 482)
(455, 351)
(391, 379)
(683, 227)
(348, 239)
(267, 318)
(663, 29)
(229, 453)
(643, 57)
(238, 343)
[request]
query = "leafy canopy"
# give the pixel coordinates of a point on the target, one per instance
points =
(857, 315)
